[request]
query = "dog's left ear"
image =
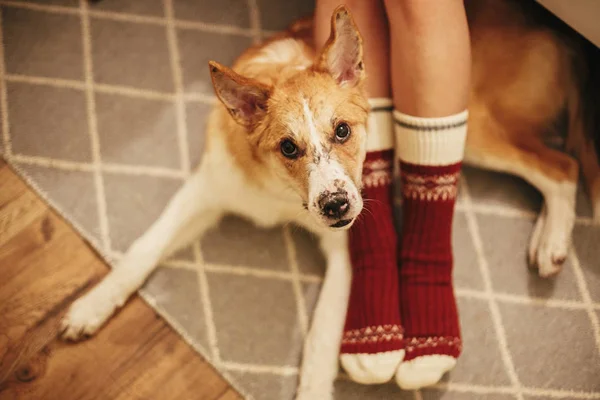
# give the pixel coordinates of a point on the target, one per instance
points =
(244, 98)
(342, 55)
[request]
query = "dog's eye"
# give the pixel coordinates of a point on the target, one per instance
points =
(342, 132)
(289, 149)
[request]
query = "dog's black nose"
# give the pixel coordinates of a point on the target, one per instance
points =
(335, 205)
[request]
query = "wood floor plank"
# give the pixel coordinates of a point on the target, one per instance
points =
(18, 210)
(11, 185)
(44, 265)
(136, 356)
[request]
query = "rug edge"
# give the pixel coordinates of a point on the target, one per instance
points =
(93, 244)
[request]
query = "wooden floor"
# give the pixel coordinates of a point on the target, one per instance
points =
(44, 265)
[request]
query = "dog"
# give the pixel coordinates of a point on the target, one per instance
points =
(528, 69)
(287, 141)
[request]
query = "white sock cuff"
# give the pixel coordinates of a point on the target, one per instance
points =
(380, 125)
(431, 141)
(381, 103)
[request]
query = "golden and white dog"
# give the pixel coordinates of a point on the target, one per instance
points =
(287, 142)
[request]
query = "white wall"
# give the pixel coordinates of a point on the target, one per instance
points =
(581, 15)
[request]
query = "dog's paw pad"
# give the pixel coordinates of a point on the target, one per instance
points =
(559, 260)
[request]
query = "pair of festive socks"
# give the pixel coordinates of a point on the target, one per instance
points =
(402, 318)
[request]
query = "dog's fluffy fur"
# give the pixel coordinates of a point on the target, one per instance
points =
(524, 76)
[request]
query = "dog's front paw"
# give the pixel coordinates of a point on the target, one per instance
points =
(550, 257)
(85, 316)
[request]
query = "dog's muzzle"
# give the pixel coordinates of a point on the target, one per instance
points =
(334, 207)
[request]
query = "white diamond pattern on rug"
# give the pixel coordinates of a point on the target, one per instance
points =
(133, 203)
(256, 320)
(137, 131)
(348, 390)
(235, 241)
(58, 131)
(177, 292)
(270, 387)
(71, 190)
(432, 394)
(107, 123)
(478, 334)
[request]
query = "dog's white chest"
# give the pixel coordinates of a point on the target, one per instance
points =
(265, 213)
(240, 197)
(259, 207)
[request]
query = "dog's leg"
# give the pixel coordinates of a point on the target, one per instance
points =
(322, 345)
(554, 174)
(189, 213)
(550, 241)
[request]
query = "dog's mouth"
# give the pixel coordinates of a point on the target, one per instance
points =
(335, 209)
(342, 223)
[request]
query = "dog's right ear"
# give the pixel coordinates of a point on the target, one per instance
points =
(342, 55)
(244, 98)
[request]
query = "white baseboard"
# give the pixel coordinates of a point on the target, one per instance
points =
(581, 15)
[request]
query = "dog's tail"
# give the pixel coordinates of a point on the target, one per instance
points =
(302, 29)
(583, 107)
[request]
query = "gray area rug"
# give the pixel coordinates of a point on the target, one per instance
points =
(103, 112)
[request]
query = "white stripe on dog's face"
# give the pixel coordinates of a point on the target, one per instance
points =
(315, 138)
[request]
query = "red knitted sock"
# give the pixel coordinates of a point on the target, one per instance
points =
(430, 155)
(372, 343)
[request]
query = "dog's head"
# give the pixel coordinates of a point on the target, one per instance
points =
(309, 127)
